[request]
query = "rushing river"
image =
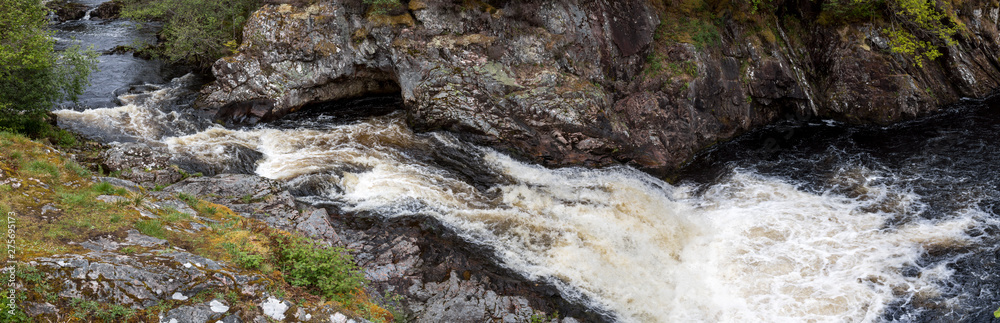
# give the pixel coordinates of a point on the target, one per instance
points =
(801, 222)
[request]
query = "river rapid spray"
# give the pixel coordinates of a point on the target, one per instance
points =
(744, 246)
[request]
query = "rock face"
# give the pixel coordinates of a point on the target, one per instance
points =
(569, 83)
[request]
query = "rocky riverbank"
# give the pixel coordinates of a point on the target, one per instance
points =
(594, 82)
(416, 267)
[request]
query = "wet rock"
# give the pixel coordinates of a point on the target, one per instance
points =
(66, 10)
(107, 10)
(441, 278)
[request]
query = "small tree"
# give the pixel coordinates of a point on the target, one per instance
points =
(195, 31)
(33, 77)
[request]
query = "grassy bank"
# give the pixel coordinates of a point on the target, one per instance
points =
(55, 206)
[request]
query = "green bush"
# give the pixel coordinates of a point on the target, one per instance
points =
(243, 258)
(195, 31)
(331, 271)
(33, 77)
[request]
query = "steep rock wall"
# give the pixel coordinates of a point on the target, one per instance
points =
(590, 82)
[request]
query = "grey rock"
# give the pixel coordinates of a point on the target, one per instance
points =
(196, 314)
(317, 225)
(247, 195)
(125, 156)
(170, 202)
(231, 319)
(136, 279)
(50, 208)
(111, 199)
(136, 238)
(275, 308)
(33, 309)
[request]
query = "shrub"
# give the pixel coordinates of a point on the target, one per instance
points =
(242, 257)
(329, 270)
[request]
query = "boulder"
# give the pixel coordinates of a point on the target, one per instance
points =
(106, 11)
(65, 10)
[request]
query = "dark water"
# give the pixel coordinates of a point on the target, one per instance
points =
(116, 73)
(950, 161)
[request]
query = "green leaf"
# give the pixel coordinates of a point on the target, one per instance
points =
(996, 313)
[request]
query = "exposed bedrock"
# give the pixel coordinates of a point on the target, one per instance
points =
(573, 82)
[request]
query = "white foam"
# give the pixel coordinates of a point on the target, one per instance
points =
(749, 248)
(141, 117)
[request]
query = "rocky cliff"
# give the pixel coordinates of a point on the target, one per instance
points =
(594, 82)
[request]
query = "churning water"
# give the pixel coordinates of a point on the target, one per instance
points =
(829, 223)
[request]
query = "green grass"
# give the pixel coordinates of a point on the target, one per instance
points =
(77, 169)
(171, 215)
(41, 167)
(105, 188)
(85, 310)
(153, 228)
(76, 198)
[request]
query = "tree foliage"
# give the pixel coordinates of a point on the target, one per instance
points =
(919, 27)
(33, 77)
(915, 28)
(195, 31)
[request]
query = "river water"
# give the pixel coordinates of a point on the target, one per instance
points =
(805, 221)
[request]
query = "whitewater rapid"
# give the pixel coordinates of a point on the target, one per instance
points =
(747, 247)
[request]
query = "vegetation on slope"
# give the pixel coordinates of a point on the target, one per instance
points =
(916, 29)
(36, 177)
